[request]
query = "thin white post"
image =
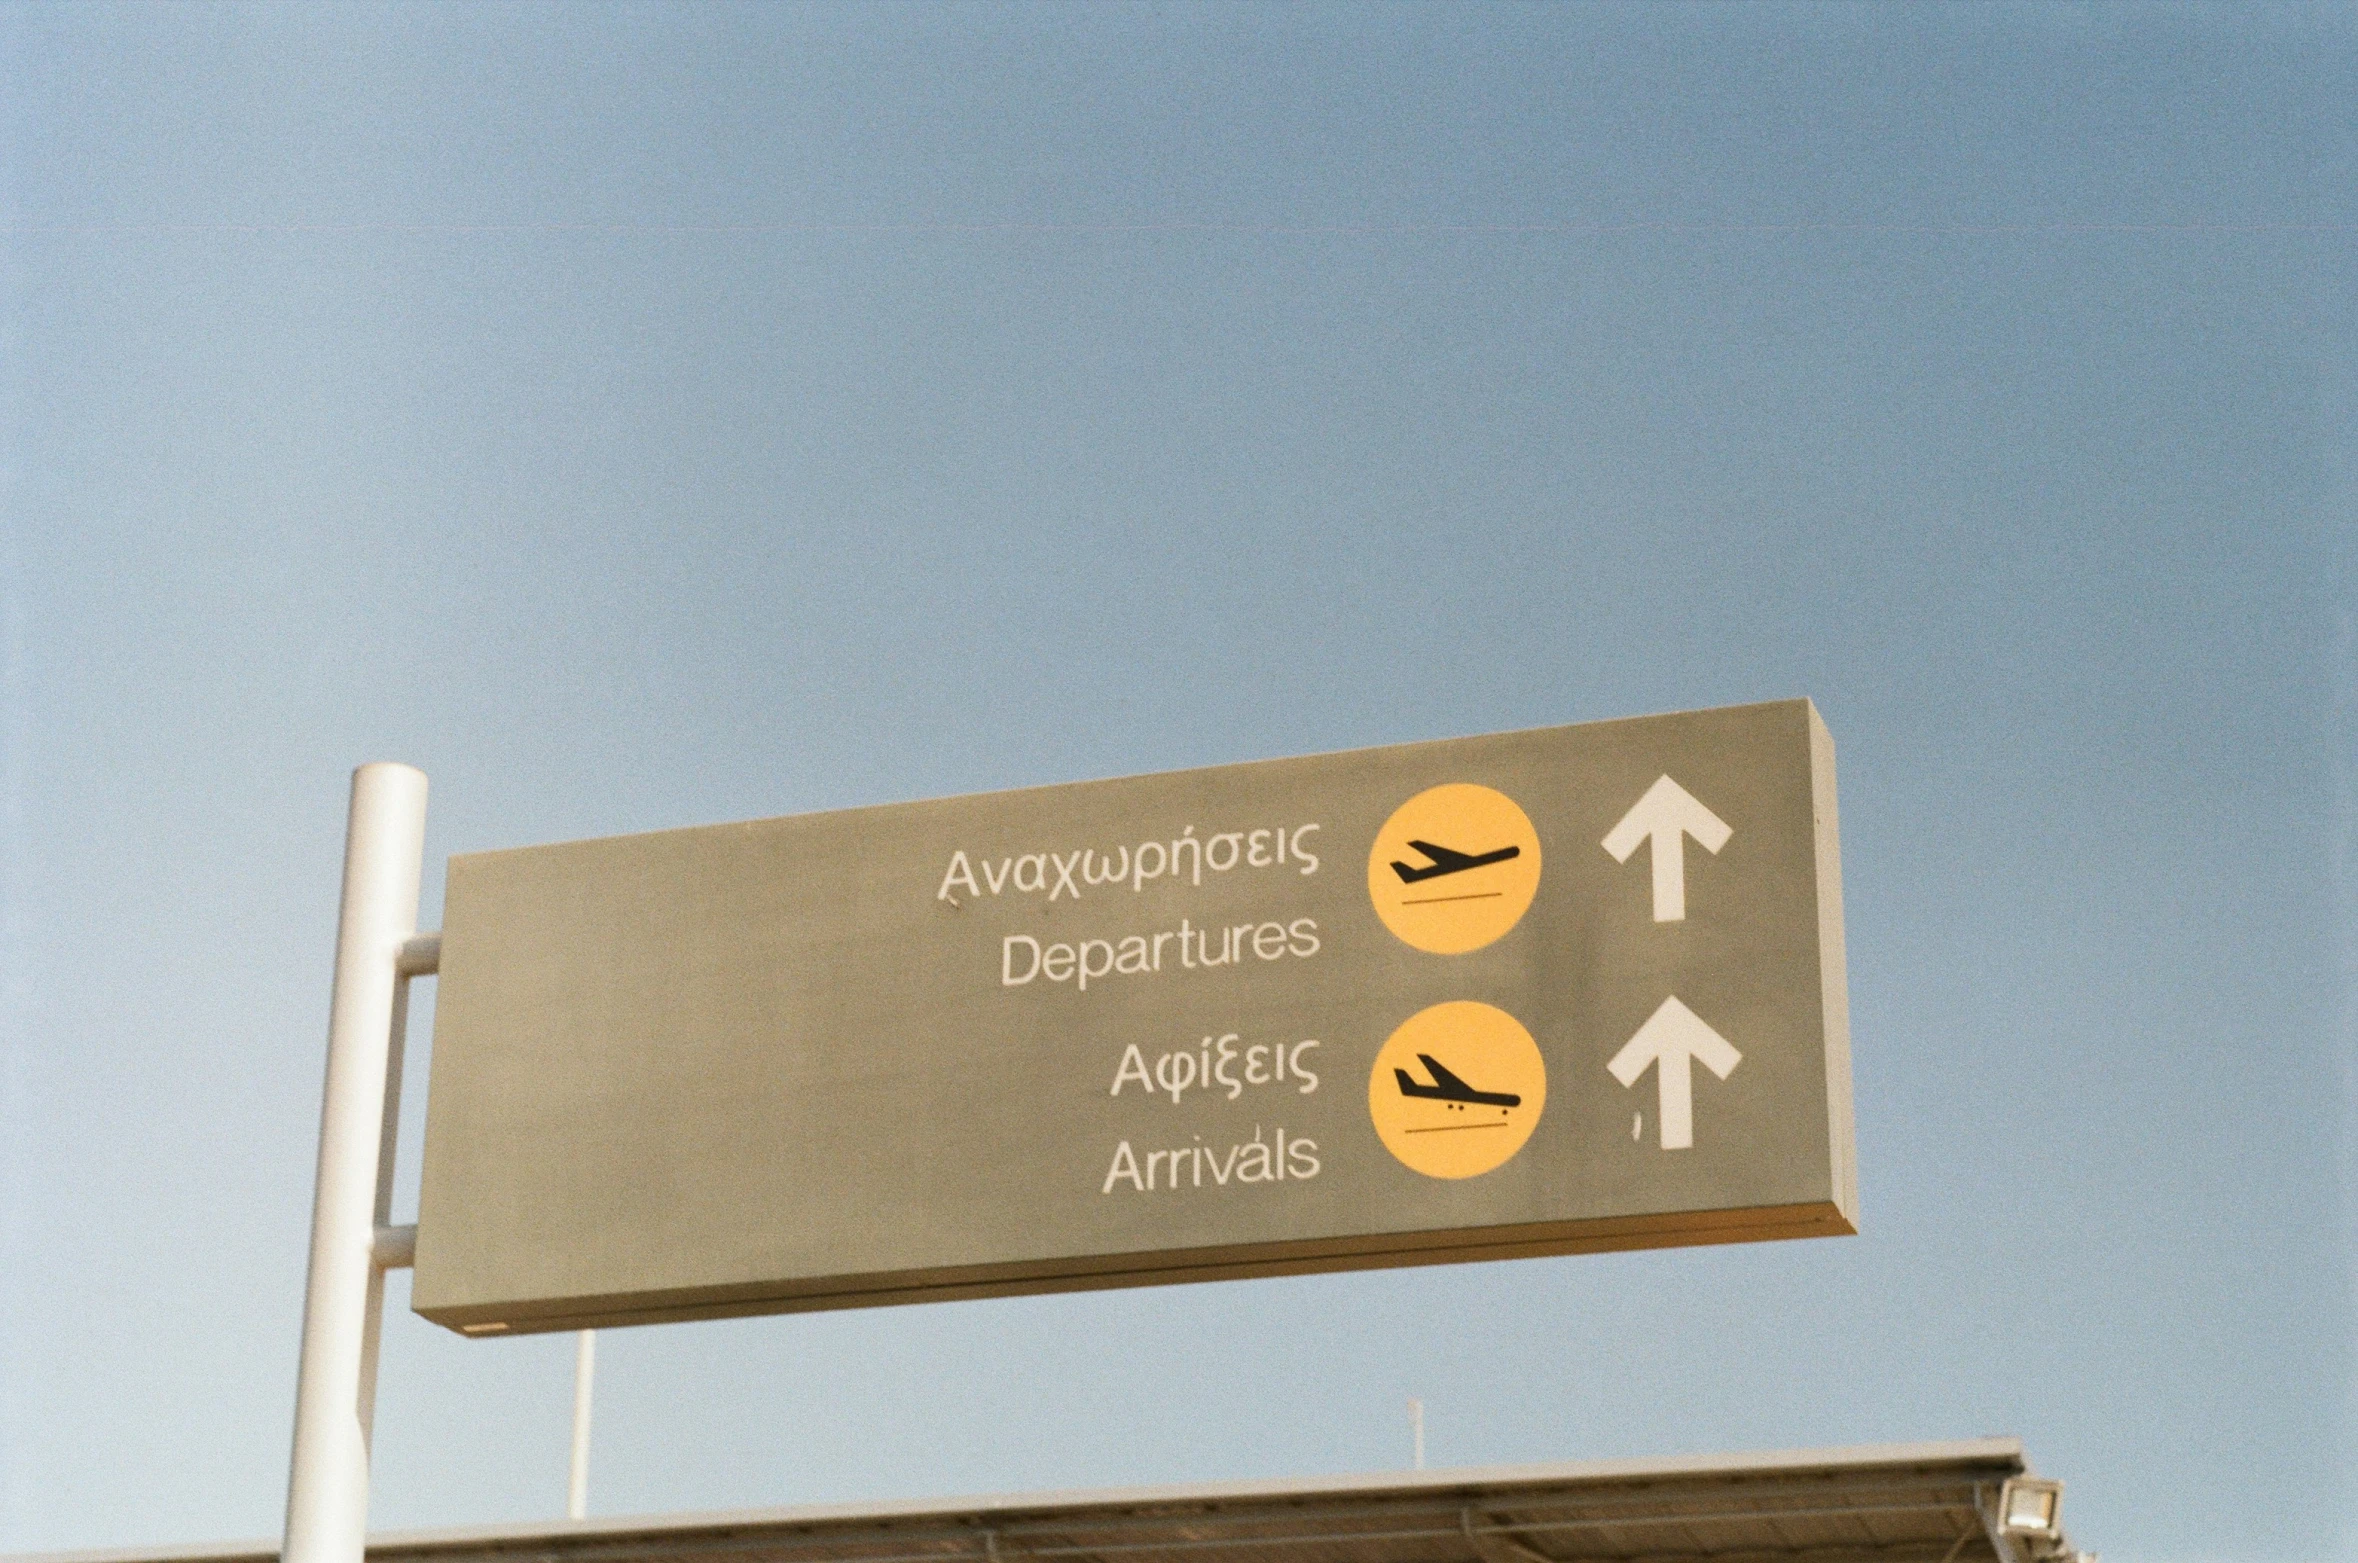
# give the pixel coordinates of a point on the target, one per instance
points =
(585, 1364)
(1416, 1432)
(335, 1387)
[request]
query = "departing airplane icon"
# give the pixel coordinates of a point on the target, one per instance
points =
(1447, 1087)
(1448, 861)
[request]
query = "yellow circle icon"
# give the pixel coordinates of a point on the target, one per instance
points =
(1454, 868)
(1457, 1089)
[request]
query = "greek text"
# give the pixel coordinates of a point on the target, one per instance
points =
(1223, 1064)
(1064, 875)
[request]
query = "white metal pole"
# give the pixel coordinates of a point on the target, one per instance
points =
(585, 1366)
(1416, 1433)
(327, 1484)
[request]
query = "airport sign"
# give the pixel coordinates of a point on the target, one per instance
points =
(1407, 1005)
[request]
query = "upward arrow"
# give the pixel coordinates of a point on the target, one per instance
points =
(1667, 815)
(1671, 1041)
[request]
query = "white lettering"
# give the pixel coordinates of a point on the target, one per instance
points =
(1007, 976)
(1265, 1158)
(960, 873)
(1133, 1068)
(1125, 1165)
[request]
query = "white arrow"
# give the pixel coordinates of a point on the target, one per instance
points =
(1668, 814)
(1671, 1042)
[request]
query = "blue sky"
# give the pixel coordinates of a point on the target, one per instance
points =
(642, 416)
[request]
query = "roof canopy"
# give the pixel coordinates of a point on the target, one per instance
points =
(1890, 1504)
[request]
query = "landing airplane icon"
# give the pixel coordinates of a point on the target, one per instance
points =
(1448, 861)
(1447, 1087)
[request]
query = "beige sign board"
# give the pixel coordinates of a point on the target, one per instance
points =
(1534, 993)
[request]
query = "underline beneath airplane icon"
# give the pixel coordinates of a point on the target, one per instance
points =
(1448, 860)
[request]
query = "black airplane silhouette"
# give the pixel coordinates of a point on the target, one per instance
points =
(1447, 1087)
(1448, 861)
